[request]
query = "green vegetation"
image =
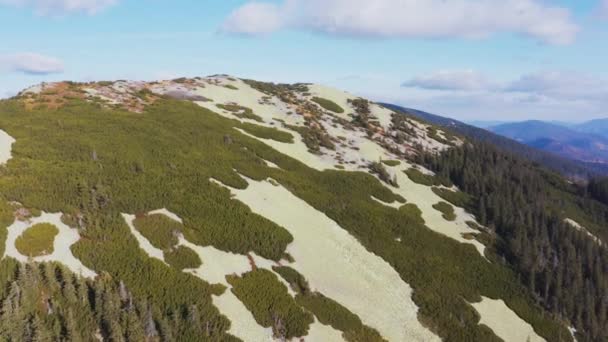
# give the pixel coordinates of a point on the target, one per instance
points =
(270, 303)
(457, 198)
(328, 105)
(240, 111)
(447, 210)
(182, 258)
(279, 90)
(267, 133)
(37, 240)
(166, 156)
(6, 219)
(379, 170)
(391, 163)
(433, 133)
(429, 180)
(231, 87)
(296, 281)
(327, 311)
(314, 138)
(47, 302)
(525, 207)
(598, 189)
(161, 231)
(330, 312)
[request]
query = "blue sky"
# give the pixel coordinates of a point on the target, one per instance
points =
(469, 59)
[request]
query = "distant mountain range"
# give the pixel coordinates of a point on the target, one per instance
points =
(586, 142)
(598, 126)
(546, 154)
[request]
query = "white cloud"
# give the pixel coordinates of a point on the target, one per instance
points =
(471, 19)
(559, 84)
(546, 95)
(255, 18)
(31, 63)
(466, 80)
(547, 84)
(60, 7)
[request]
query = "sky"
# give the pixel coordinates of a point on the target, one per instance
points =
(501, 60)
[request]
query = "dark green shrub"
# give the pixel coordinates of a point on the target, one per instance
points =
(447, 210)
(391, 163)
(330, 312)
(270, 303)
(297, 282)
(267, 133)
(457, 198)
(37, 240)
(429, 180)
(240, 111)
(328, 105)
(182, 258)
(159, 229)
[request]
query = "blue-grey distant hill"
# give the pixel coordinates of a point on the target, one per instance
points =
(564, 141)
(598, 126)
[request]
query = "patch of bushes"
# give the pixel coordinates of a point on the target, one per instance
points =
(314, 138)
(327, 311)
(433, 133)
(391, 163)
(429, 180)
(240, 111)
(270, 303)
(182, 258)
(277, 89)
(328, 105)
(160, 230)
(379, 169)
(267, 133)
(457, 198)
(447, 210)
(330, 312)
(231, 87)
(297, 281)
(37, 240)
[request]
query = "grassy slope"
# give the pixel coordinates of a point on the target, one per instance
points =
(165, 157)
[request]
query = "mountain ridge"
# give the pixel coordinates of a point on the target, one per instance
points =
(251, 174)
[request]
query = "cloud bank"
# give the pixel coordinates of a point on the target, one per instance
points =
(62, 7)
(548, 95)
(469, 19)
(31, 64)
(550, 84)
(465, 80)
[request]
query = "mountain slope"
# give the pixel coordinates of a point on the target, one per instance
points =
(557, 139)
(290, 211)
(597, 127)
(563, 165)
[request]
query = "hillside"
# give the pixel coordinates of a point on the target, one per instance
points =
(225, 209)
(557, 139)
(597, 127)
(564, 164)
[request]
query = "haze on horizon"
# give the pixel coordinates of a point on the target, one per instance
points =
(512, 60)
